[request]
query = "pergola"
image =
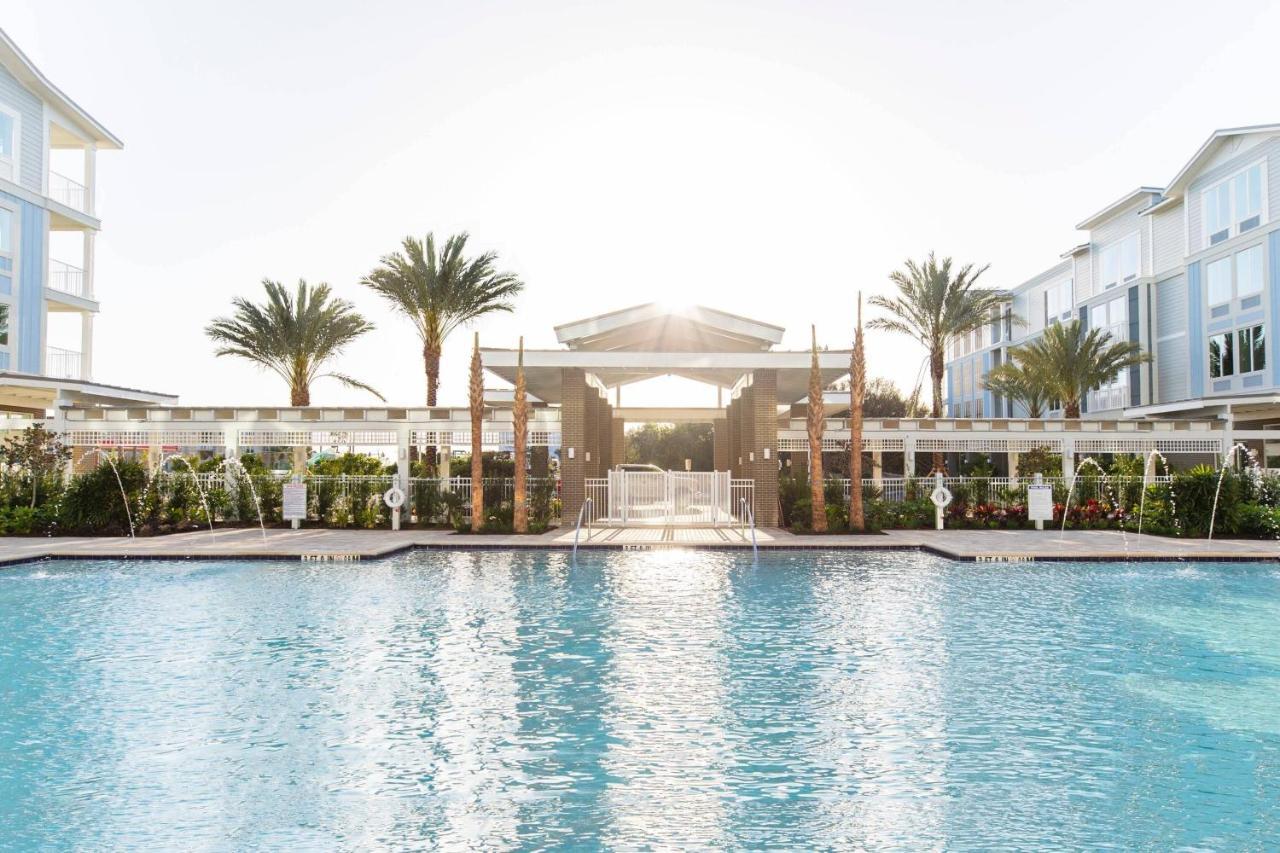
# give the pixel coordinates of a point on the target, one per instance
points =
(734, 354)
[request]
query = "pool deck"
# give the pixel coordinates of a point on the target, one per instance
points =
(994, 545)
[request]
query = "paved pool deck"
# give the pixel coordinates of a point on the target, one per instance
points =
(999, 545)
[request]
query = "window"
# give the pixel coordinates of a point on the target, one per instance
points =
(1057, 302)
(1241, 351)
(1118, 262)
(1235, 277)
(6, 231)
(1233, 206)
(1253, 349)
(1222, 359)
(1111, 317)
(8, 143)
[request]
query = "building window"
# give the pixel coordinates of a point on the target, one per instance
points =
(4, 325)
(1233, 206)
(6, 232)
(1119, 261)
(1222, 357)
(1057, 302)
(1111, 317)
(1235, 276)
(1252, 349)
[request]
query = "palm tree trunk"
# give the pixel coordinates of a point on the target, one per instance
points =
(816, 422)
(1071, 409)
(477, 423)
(299, 395)
(937, 369)
(431, 366)
(857, 390)
(520, 425)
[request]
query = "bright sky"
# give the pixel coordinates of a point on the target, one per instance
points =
(770, 159)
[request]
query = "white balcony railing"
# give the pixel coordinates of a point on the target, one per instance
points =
(63, 363)
(66, 278)
(66, 191)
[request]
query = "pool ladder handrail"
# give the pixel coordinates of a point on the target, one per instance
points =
(585, 505)
(749, 513)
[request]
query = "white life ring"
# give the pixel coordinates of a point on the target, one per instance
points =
(393, 497)
(941, 497)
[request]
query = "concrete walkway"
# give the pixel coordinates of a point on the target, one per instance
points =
(355, 544)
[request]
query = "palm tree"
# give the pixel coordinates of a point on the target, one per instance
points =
(293, 336)
(857, 392)
(441, 291)
(520, 426)
(1073, 362)
(816, 422)
(476, 393)
(1017, 382)
(933, 306)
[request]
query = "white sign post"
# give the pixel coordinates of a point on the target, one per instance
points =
(294, 502)
(1040, 502)
(941, 497)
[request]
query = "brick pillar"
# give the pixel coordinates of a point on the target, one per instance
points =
(764, 442)
(573, 437)
(720, 445)
(604, 440)
(589, 453)
(619, 441)
(539, 459)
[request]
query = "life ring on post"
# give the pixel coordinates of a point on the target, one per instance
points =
(393, 497)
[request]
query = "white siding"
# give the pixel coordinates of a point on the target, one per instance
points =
(31, 145)
(1166, 227)
(1083, 274)
(1171, 340)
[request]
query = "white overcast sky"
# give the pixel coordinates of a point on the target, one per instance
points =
(770, 159)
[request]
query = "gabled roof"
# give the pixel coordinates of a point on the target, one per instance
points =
(12, 58)
(658, 328)
(1116, 206)
(1180, 181)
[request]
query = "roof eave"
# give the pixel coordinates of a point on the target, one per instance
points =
(1120, 204)
(12, 57)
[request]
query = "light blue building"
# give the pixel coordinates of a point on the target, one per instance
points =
(1191, 271)
(48, 223)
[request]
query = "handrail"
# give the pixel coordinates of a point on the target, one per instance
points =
(587, 503)
(748, 512)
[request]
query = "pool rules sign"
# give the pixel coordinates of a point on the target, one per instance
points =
(294, 503)
(1040, 504)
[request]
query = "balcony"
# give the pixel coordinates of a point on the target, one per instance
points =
(66, 191)
(63, 363)
(65, 278)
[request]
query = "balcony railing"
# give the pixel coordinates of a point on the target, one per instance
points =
(67, 279)
(63, 363)
(66, 191)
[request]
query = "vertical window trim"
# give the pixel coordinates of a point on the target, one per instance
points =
(15, 160)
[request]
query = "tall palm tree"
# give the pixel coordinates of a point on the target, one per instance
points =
(440, 291)
(293, 336)
(816, 422)
(1073, 362)
(935, 304)
(476, 393)
(857, 392)
(1018, 382)
(520, 426)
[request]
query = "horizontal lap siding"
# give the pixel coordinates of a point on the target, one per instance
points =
(1166, 226)
(31, 145)
(1171, 354)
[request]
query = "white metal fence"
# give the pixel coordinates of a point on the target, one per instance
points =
(999, 490)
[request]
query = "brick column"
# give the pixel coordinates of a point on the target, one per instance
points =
(619, 451)
(573, 436)
(764, 442)
(604, 440)
(589, 454)
(539, 460)
(720, 445)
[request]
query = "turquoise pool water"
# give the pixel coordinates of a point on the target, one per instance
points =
(683, 699)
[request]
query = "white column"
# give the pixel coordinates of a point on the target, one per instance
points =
(90, 177)
(1068, 457)
(403, 435)
(1013, 465)
(877, 468)
(87, 262)
(86, 345)
(908, 456)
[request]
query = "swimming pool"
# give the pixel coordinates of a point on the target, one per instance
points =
(678, 698)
